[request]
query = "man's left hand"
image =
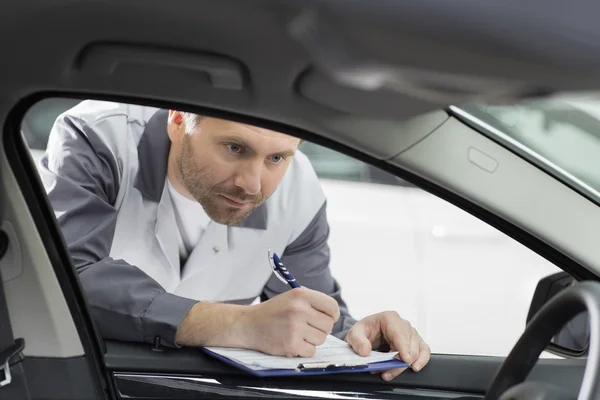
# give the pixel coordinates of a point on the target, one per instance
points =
(388, 327)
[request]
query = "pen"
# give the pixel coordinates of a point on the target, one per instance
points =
(281, 271)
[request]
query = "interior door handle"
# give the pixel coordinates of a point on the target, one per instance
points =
(107, 59)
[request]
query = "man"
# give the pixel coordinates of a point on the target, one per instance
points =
(168, 217)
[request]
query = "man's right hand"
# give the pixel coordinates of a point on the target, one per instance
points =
(292, 323)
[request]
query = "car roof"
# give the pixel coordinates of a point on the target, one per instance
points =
(302, 63)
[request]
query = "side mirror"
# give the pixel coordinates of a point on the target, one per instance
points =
(573, 339)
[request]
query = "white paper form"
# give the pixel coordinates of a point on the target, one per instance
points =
(334, 351)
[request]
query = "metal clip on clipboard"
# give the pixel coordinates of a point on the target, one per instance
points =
(325, 366)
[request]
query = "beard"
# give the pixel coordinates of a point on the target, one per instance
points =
(199, 182)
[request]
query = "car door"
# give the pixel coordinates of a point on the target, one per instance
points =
(216, 60)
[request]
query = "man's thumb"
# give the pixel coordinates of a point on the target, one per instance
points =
(358, 340)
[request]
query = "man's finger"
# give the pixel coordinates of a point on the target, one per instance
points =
(424, 356)
(357, 338)
(325, 304)
(320, 321)
(415, 342)
(306, 349)
(314, 336)
(392, 373)
(398, 335)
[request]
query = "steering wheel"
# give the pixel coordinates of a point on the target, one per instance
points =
(509, 383)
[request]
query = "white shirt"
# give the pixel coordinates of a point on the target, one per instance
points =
(191, 220)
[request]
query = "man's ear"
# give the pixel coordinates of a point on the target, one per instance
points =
(175, 125)
(175, 117)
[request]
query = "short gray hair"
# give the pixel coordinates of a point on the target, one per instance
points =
(191, 121)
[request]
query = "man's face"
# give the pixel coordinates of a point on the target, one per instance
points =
(229, 168)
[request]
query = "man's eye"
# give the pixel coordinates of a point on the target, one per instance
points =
(277, 159)
(234, 148)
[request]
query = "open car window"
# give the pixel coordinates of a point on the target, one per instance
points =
(39, 119)
(436, 258)
(330, 164)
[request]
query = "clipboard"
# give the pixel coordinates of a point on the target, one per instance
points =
(313, 369)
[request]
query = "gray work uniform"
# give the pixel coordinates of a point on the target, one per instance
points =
(105, 170)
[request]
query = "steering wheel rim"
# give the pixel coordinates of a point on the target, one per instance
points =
(539, 332)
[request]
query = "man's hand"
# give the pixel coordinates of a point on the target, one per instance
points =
(387, 327)
(292, 323)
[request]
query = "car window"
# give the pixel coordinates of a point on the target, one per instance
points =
(561, 135)
(330, 164)
(39, 120)
(455, 278)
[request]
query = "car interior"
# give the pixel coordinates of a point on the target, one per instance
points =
(389, 84)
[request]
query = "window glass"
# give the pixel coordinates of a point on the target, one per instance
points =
(330, 164)
(39, 120)
(560, 134)
(465, 286)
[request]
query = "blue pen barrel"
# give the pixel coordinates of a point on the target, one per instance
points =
(283, 271)
(292, 282)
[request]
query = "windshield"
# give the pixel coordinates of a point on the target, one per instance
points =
(561, 135)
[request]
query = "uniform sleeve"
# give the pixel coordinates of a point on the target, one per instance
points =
(81, 177)
(308, 259)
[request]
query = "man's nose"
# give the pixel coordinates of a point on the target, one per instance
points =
(249, 178)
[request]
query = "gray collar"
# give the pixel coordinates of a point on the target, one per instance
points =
(153, 157)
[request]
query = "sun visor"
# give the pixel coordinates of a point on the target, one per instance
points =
(381, 103)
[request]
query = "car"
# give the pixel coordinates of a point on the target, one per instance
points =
(497, 188)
